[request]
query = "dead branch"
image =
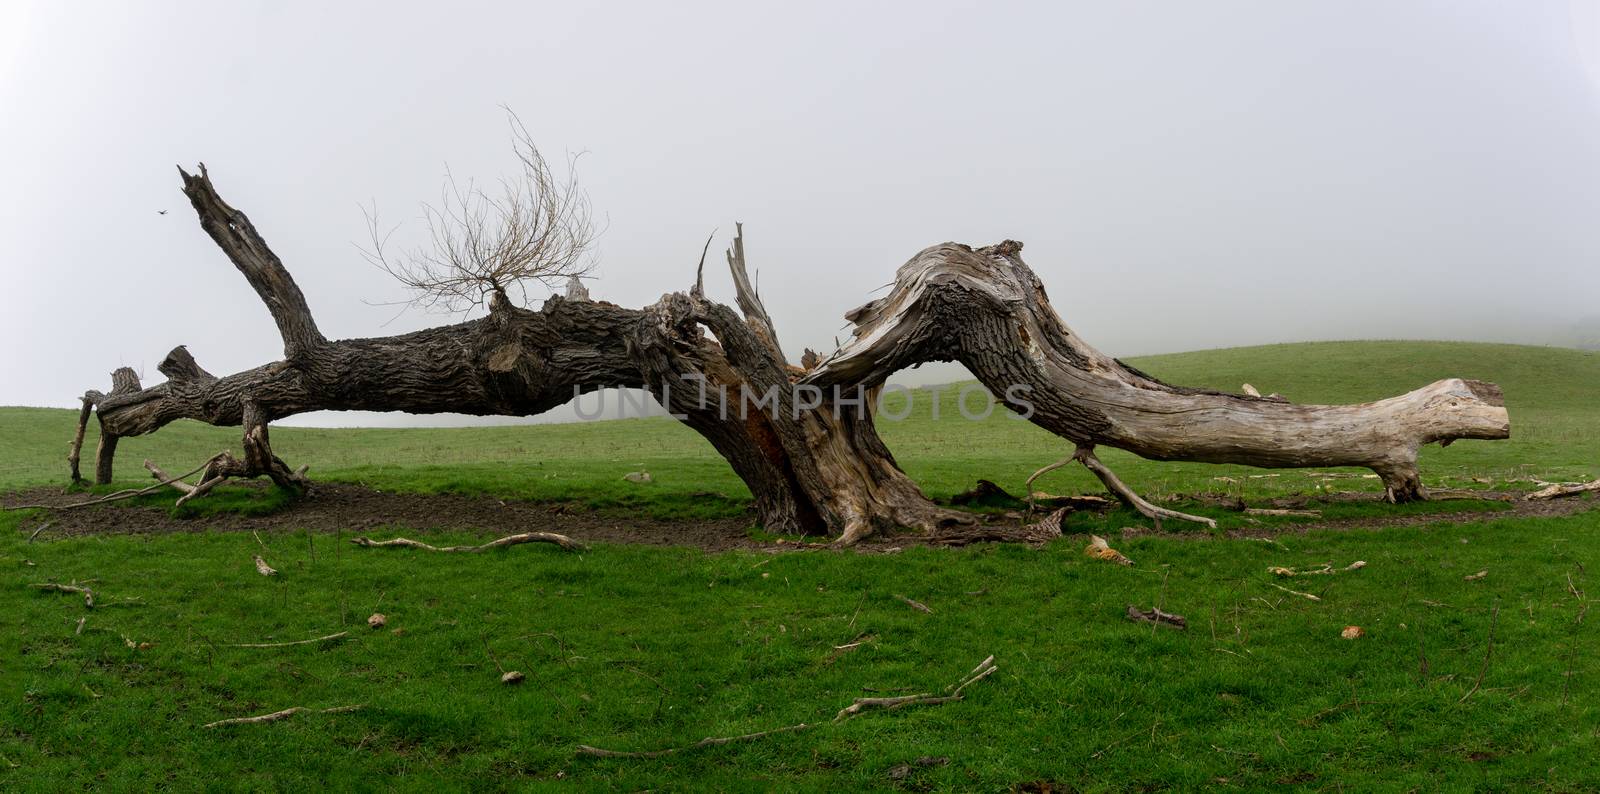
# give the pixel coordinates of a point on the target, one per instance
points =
(1306, 596)
(1085, 455)
(1156, 616)
(1268, 511)
(41, 528)
(88, 595)
(1559, 490)
(338, 636)
(509, 540)
(1278, 570)
(120, 495)
(952, 693)
(282, 715)
(176, 482)
(917, 605)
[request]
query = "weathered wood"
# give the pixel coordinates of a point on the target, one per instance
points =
(986, 309)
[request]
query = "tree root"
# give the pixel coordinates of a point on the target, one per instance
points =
(282, 715)
(510, 540)
(951, 693)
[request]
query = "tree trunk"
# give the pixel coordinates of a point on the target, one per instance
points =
(809, 471)
(986, 309)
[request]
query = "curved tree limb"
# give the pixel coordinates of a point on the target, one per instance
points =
(986, 309)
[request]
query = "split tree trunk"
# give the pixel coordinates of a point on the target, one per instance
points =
(812, 471)
(986, 309)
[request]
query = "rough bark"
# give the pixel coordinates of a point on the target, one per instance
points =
(809, 470)
(986, 309)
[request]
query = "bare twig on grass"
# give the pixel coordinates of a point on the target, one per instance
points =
(917, 605)
(338, 636)
(79, 629)
(510, 540)
(88, 594)
(1157, 617)
(281, 715)
(1488, 653)
(1307, 596)
(1326, 568)
(1271, 511)
(952, 693)
(42, 527)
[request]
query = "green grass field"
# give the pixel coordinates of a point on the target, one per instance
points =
(635, 648)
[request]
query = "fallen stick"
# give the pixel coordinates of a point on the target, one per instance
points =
(1085, 455)
(88, 595)
(1273, 511)
(1156, 616)
(917, 605)
(177, 483)
(1561, 489)
(510, 540)
(42, 527)
(1296, 592)
(953, 693)
(340, 635)
(1278, 570)
(280, 715)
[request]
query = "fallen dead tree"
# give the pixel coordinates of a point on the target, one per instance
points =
(802, 438)
(986, 309)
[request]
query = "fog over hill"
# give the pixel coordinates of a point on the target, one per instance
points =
(1185, 176)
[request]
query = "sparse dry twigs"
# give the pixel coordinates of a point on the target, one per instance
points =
(538, 230)
(1324, 569)
(510, 540)
(282, 715)
(951, 693)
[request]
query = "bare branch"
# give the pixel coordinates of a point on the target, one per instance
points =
(537, 231)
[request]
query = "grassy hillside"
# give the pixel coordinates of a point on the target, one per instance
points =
(1551, 393)
(1462, 681)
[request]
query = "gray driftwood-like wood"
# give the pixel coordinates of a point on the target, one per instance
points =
(813, 471)
(986, 309)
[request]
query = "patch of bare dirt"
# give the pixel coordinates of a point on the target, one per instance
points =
(357, 510)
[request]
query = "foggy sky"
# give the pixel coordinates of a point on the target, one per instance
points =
(1184, 175)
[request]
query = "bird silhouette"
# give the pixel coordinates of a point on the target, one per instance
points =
(161, 212)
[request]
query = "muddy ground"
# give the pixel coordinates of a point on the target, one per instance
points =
(357, 510)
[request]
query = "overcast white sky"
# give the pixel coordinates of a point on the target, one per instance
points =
(1185, 175)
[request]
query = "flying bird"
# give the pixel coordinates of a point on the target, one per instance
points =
(161, 212)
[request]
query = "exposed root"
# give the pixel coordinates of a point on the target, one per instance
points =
(1563, 489)
(1085, 455)
(952, 693)
(510, 540)
(282, 715)
(338, 636)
